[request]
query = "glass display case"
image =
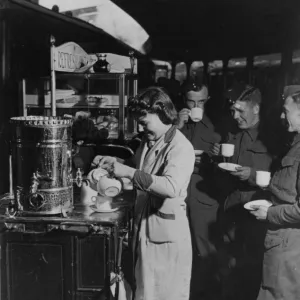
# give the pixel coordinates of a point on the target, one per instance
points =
(97, 102)
(98, 99)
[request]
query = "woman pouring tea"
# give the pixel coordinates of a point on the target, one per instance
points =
(164, 163)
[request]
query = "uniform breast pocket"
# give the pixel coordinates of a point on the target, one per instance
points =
(260, 157)
(285, 177)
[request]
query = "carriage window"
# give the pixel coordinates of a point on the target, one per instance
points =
(162, 69)
(181, 72)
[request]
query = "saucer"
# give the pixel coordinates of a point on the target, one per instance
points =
(228, 166)
(198, 152)
(94, 208)
(257, 202)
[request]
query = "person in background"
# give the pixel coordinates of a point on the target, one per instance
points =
(201, 201)
(84, 135)
(163, 165)
(281, 264)
(172, 86)
(243, 232)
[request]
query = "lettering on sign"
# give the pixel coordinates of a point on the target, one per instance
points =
(70, 57)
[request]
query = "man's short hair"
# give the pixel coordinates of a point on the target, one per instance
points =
(191, 86)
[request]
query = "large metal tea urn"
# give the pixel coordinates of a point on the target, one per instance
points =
(42, 164)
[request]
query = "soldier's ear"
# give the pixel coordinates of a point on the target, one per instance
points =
(256, 109)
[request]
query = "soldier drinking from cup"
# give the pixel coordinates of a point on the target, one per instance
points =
(201, 201)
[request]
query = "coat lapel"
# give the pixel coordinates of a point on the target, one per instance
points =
(150, 157)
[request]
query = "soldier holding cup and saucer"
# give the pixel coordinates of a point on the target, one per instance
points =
(238, 186)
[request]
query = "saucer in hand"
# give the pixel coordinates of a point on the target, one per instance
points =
(228, 166)
(262, 202)
(198, 152)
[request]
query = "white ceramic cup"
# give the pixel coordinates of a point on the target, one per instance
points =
(95, 175)
(263, 178)
(196, 114)
(102, 202)
(227, 150)
(109, 187)
(86, 193)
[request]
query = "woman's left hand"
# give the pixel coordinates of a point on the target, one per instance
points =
(259, 211)
(120, 170)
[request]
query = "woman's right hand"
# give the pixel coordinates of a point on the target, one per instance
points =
(183, 117)
(100, 161)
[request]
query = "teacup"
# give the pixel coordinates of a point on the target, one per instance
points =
(263, 178)
(109, 187)
(102, 202)
(96, 174)
(227, 150)
(196, 114)
(87, 192)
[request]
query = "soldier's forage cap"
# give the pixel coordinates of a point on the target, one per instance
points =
(290, 90)
(240, 91)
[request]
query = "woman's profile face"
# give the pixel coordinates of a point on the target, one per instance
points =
(152, 126)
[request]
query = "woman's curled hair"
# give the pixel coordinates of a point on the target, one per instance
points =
(153, 100)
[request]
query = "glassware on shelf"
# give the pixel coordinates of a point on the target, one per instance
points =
(101, 65)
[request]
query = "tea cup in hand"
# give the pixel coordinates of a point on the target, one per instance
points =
(94, 175)
(227, 150)
(109, 187)
(196, 114)
(263, 178)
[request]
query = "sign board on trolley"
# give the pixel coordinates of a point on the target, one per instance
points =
(70, 57)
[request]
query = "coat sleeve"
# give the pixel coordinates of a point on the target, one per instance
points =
(176, 171)
(284, 214)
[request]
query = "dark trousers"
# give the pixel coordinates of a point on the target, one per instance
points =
(202, 213)
(244, 236)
